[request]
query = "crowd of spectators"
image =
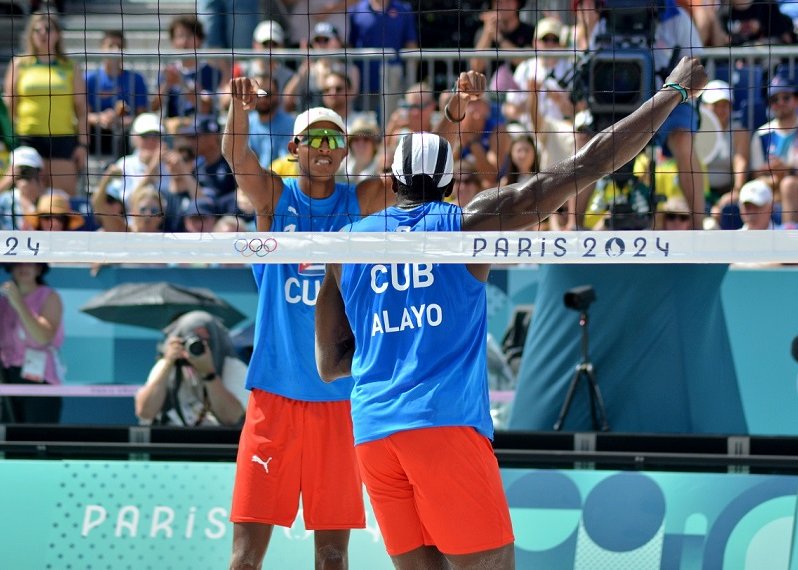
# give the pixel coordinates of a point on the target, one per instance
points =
(158, 147)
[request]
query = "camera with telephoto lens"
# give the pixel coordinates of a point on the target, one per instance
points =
(194, 345)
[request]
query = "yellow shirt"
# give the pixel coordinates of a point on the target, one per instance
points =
(46, 99)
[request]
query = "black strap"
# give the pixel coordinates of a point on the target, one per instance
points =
(440, 162)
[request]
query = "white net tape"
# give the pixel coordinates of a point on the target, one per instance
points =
(403, 247)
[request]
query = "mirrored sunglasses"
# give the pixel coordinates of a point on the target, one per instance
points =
(314, 138)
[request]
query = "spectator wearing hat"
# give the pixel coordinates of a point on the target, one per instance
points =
(756, 206)
(200, 215)
(674, 214)
(306, 88)
(306, 14)
(200, 140)
(774, 147)
(728, 169)
(145, 163)
(539, 95)
(54, 214)
(26, 174)
(364, 142)
(270, 127)
(115, 96)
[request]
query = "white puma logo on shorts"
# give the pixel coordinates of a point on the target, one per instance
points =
(256, 459)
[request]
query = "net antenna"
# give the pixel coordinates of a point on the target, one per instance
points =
(580, 299)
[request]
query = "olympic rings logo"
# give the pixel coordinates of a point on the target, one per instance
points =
(255, 246)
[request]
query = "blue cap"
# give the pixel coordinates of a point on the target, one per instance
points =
(780, 84)
(200, 126)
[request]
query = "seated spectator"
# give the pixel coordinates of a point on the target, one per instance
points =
(268, 35)
(54, 214)
(270, 128)
(201, 138)
(728, 170)
(757, 22)
(774, 147)
(145, 163)
(338, 95)
(756, 206)
(147, 211)
(306, 88)
(674, 214)
(539, 94)
(198, 379)
(523, 160)
(188, 86)
(480, 136)
(363, 160)
(115, 96)
(200, 216)
(586, 16)
(30, 338)
(26, 174)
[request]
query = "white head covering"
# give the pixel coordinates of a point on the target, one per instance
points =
(423, 153)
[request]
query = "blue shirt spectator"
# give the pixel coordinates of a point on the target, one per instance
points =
(269, 138)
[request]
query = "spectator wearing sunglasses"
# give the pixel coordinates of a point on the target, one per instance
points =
(147, 210)
(675, 215)
(306, 88)
(287, 392)
(25, 170)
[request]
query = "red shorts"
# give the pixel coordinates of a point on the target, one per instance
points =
(290, 447)
(461, 507)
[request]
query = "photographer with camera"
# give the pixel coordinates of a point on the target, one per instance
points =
(198, 378)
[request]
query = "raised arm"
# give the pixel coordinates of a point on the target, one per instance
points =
(335, 341)
(519, 206)
(262, 187)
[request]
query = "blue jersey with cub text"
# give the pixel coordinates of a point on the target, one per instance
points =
(420, 336)
(283, 360)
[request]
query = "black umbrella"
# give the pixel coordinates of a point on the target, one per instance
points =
(155, 305)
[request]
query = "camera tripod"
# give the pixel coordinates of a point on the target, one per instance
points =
(585, 368)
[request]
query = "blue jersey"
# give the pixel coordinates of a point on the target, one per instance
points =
(283, 360)
(420, 336)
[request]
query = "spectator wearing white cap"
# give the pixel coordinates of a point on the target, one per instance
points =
(728, 168)
(145, 163)
(286, 308)
(267, 36)
(25, 169)
(306, 14)
(756, 206)
(306, 88)
(774, 147)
